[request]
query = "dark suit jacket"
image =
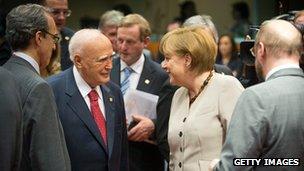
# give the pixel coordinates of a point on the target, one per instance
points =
(267, 122)
(66, 35)
(85, 145)
(10, 122)
(163, 111)
(43, 139)
(144, 156)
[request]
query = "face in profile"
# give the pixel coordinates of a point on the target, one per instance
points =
(130, 46)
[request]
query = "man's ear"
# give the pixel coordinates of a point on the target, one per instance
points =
(261, 52)
(77, 61)
(146, 41)
(38, 38)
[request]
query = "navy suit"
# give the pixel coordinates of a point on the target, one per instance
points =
(66, 35)
(85, 145)
(144, 156)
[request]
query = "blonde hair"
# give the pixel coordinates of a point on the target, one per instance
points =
(136, 19)
(193, 41)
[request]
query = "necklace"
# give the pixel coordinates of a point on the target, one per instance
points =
(202, 87)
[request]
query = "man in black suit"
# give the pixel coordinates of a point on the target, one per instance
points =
(10, 122)
(143, 74)
(92, 145)
(32, 33)
(60, 11)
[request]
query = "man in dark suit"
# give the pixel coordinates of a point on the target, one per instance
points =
(95, 129)
(31, 31)
(10, 122)
(145, 75)
(60, 11)
(267, 122)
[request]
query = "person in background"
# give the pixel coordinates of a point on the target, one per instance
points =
(108, 25)
(227, 55)
(200, 111)
(10, 123)
(268, 119)
(60, 11)
(91, 108)
(32, 34)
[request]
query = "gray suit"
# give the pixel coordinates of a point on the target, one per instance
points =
(268, 123)
(44, 145)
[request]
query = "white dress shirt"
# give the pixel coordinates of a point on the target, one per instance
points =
(137, 68)
(275, 69)
(85, 89)
(28, 59)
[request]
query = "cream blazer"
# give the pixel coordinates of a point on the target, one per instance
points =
(196, 133)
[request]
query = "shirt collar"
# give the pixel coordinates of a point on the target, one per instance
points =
(82, 85)
(28, 59)
(275, 69)
(136, 67)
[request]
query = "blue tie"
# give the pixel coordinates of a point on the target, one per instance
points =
(125, 84)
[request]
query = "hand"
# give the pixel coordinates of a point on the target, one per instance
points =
(142, 130)
(212, 164)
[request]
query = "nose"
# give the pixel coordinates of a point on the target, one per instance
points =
(109, 65)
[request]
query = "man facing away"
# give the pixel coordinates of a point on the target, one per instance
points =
(268, 119)
(32, 33)
(91, 108)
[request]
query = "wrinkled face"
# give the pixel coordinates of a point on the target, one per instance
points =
(225, 46)
(95, 63)
(48, 43)
(59, 10)
(176, 68)
(111, 33)
(130, 46)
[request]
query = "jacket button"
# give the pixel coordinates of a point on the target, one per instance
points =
(180, 134)
(180, 164)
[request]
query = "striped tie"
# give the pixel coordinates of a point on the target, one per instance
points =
(125, 84)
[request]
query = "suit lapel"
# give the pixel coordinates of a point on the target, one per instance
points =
(108, 100)
(146, 77)
(80, 108)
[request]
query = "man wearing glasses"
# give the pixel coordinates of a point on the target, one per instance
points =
(32, 34)
(91, 108)
(60, 11)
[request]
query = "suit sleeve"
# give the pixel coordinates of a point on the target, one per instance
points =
(246, 133)
(47, 143)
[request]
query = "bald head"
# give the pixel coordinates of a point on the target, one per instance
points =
(86, 40)
(280, 37)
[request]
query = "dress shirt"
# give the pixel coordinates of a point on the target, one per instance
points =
(275, 69)
(28, 59)
(85, 89)
(137, 68)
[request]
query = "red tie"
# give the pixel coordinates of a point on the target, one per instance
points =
(97, 115)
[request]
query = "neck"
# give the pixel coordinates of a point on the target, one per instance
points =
(32, 53)
(195, 83)
(272, 63)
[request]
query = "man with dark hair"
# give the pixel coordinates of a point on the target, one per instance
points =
(32, 33)
(60, 11)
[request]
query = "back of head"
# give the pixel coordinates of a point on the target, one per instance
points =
(204, 21)
(136, 19)
(193, 41)
(85, 38)
(280, 37)
(110, 18)
(23, 22)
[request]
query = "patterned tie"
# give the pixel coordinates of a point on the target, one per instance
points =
(97, 115)
(125, 84)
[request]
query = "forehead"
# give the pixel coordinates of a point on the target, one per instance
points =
(56, 3)
(131, 32)
(97, 48)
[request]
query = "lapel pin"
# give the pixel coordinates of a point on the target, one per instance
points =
(67, 38)
(111, 99)
(147, 81)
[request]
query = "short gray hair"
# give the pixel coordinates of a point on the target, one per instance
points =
(23, 22)
(204, 21)
(110, 18)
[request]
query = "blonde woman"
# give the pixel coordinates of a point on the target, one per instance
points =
(202, 107)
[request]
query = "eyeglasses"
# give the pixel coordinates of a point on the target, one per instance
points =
(56, 12)
(55, 37)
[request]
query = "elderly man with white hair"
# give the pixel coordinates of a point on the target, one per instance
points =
(91, 108)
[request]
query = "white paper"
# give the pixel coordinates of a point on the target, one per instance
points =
(140, 103)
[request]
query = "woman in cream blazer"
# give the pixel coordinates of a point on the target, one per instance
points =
(201, 109)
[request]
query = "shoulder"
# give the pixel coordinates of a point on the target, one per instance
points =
(227, 81)
(67, 32)
(222, 69)
(156, 68)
